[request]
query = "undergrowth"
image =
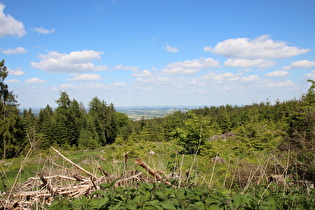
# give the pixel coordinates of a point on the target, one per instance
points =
(239, 183)
(162, 196)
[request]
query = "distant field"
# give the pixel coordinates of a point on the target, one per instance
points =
(141, 112)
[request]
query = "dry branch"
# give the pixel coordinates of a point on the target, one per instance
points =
(72, 163)
(139, 162)
(47, 185)
(134, 177)
(105, 173)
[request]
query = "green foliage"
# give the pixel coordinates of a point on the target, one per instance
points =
(161, 196)
(11, 131)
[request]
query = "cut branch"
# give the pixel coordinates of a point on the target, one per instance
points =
(149, 170)
(72, 163)
(47, 185)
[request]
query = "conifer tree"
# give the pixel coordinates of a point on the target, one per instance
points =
(11, 130)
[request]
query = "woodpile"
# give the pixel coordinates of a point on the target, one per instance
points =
(41, 190)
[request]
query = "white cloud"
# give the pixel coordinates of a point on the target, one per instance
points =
(190, 67)
(171, 49)
(17, 50)
(277, 74)
(143, 73)
(310, 75)
(287, 83)
(207, 49)
(42, 30)
(17, 72)
(303, 64)
(222, 76)
(86, 77)
(77, 61)
(9, 26)
(13, 81)
(250, 78)
(261, 47)
(35, 81)
(125, 68)
(248, 63)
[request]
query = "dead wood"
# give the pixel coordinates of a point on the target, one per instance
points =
(47, 185)
(105, 173)
(44, 188)
(134, 177)
(139, 162)
(72, 163)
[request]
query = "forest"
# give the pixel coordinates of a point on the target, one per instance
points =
(261, 138)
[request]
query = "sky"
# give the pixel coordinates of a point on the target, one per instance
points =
(158, 52)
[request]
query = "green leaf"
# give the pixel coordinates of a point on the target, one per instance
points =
(160, 195)
(109, 185)
(131, 206)
(102, 202)
(200, 205)
(138, 200)
(214, 207)
(114, 207)
(168, 205)
(147, 186)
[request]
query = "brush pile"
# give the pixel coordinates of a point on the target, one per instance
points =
(41, 191)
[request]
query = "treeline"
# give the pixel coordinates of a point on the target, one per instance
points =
(285, 130)
(70, 125)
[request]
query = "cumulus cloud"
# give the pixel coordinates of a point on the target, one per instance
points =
(303, 64)
(171, 49)
(248, 63)
(18, 50)
(277, 74)
(189, 67)
(143, 73)
(42, 30)
(35, 81)
(9, 26)
(85, 77)
(262, 47)
(17, 72)
(74, 62)
(250, 78)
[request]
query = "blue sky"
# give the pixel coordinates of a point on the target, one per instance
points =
(158, 52)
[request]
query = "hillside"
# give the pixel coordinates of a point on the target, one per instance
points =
(241, 156)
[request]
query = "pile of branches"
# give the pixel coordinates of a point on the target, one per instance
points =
(41, 190)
